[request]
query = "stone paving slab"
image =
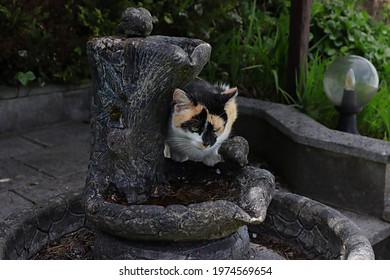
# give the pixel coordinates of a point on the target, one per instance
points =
(41, 163)
(60, 160)
(11, 203)
(13, 146)
(14, 174)
(50, 187)
(60, 134)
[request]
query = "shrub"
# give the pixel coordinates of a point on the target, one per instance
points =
(45, 40)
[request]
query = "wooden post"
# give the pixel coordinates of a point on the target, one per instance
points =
(298, 42)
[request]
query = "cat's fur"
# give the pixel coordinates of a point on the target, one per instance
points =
(202, 118)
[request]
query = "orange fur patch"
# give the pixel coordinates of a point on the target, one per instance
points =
(231, 112)
(186, 114)
(218, 123)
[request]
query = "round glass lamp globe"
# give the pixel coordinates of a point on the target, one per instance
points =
(353, 73)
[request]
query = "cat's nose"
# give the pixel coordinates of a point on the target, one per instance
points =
(208, 139)
(206, 144)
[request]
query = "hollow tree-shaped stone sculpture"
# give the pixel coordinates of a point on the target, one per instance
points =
(133, 80)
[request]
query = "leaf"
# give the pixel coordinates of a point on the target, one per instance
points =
(25, 77)
(168, 18)
(330, 52)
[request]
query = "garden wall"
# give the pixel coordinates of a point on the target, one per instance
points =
(340, 169)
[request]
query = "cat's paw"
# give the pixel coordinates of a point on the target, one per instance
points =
(178, 157)
(167, 151)
(212, 160)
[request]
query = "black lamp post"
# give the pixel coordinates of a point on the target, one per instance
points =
(350, 82)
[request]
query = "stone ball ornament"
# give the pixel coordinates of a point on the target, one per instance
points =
(136, 22)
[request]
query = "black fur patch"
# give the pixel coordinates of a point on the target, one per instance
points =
(202, 92)
(198, 120)
(209, 138)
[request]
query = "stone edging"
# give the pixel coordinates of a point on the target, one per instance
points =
(356, 168)
(315, 228)
(23, 234)
(304, 130)
(329, 235)
(27, 107)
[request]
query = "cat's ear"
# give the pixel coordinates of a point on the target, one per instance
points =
(230, 94)
(181, 100)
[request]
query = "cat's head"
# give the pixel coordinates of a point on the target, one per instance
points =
(205, 115)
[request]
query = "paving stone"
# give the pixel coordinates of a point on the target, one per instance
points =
(11, 146)
(60, 134)
(11, 203)
(44, 189)
(60, 160)
(14, 174)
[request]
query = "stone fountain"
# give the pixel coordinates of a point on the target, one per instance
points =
(124, 198)
(134, 76)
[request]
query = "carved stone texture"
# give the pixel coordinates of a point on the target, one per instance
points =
(133, 79)
(207, 220)
(136, 22)
(235, 149)
(314, 228)
(232, 247)
(24, 233)
(256, 187)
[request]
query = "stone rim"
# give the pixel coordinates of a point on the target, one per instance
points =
(200, 221)
(314, 227)
(19, 231)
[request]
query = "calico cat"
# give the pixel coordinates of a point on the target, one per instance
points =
(202, 118)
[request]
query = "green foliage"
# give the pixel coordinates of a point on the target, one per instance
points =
(25, 77)
(249, 53)
(44, 41)
(374, 121)
(47, 38)
(311, 99)
(340, 27)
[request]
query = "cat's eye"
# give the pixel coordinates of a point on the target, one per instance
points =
(194, 128)
(216, 129)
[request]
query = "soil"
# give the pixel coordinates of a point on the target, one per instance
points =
(285, 250)
(187, 183)
(74, 246)
(191, 182)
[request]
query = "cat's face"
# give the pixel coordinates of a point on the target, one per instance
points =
(206, 120)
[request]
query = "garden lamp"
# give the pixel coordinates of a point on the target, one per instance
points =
(350, 82)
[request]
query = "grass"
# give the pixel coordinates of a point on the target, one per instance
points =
(247, 54)
(254, 56)
(374, 121)
(311, 98)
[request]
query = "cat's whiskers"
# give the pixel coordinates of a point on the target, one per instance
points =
(186, 144)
